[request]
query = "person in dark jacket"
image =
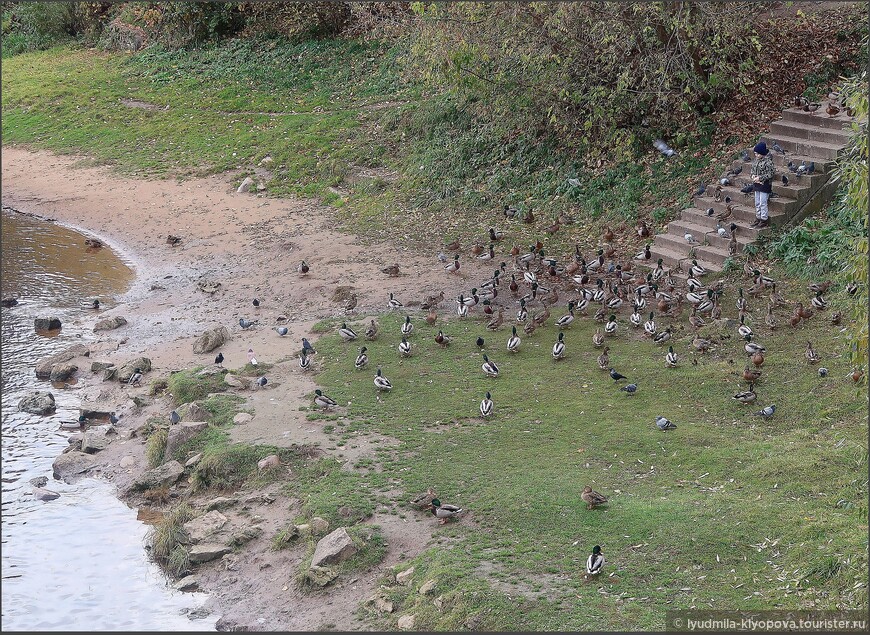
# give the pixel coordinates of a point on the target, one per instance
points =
(762, 177)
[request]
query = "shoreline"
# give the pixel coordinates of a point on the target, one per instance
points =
(233, 240)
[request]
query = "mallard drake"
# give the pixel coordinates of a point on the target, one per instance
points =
(362, 359)
(707, 303)
(559, 347)
(639, 301)
(649, 327)
(566, 320)
(487, 255)
(635, 318)
(495, 236)
(741, 301)
(522, 312)
(769, 319)
(746, 396)
(743, 329)
(751, 347)
(470, 300)
(611, 326)
(751, 374)
(347, 333)
(136, 377)
(646, 254)
(671, 359)
(811, 354)
(761, 279)
(303, 268)
(819, 302)
(304, 360)
(663, 336)
(513, 344)
(442, 340)
(381, 382)
(604, 359)
(486, 406)
(394, 303)
(598, 294)
(595, 562)
(495, 323)
(372, 330)
(615, 301)
(598, 338)
(323, 401)
(659, 272)
(692, 297)
(444, 512)
(489, 367)
(490, 287)
(852, 288)
(405, 347)
(461, 308)
(592, 498)
(581, 305)
(453, 267)
(79, 424)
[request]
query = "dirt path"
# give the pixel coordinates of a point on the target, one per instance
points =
(251, 245)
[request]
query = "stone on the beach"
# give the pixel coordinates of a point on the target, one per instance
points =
(246, 185)
(45, 494)
(206, 552)
(242, 418)
(269, 462)
(211, 371)
(199, 529)
(261, 187)
(46, 323)
(319, 526)
(211, 339)
(320, 576)
(37, 403)
(266, 160)
(44, 365)
(187, 583)
(126, 371)
(62, 372)
(71, 464)
(335, 547)
(97, 367)
(127, 461)
(221, 502)
(39, 481)
(109, 373)
(193, 412)
(110, 323)
(180, 434)
(243, 535)
(95, 440)
(9, 301)
(166, 474)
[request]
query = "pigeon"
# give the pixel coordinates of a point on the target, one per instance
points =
(307, 347)
(113, 419)
(690, 239)
(442, 257)
(616, 376)
(282, 330)
(663, 147)
(784, 179)
(766, 413)
(574, 182)
(665, 424)
(747, 189)
(480, 342)
(811, 167)
(174, 417)
(701, 189)
(303, 268)
(262, 381)
(724, 181)
(630, 388)
(251, 358)
(745, 156)
(246, 324)
(595, 562)
(219, 359)
(823, 372)
(710, 211)
(735, 171)
(135, 378)
(777, 148)
(256, 302)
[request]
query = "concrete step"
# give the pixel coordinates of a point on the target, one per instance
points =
(800, 130)
(670, 258)
(712, 267)
(671, 242)
(714, 255)
(746, 203)
(780, 163)
(793, 146)
(744, 233)
(819, 118)
(799, 188)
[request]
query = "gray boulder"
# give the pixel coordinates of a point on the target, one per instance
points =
(46, 323)
(95, 439)
(205, 526)
(206, 552)
(320, 576)
(71, 464)
(126, 371)
(166, 474)
(45, 494)
(44, 365)
(9, 301)
(180, 434)
(334, 547)
(246, 185)
(62, 372)
(110, 323)
(37, 403)
(97, 367)
(193, 412)
(211, 339)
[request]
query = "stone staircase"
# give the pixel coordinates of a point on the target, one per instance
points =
(805, 137)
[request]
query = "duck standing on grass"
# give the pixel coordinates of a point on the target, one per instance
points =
(362, 359)
(486, 406)
(381, 382)
(444, 512)
(489, 367)
(323, 401)
(594, 563)
(592, 498)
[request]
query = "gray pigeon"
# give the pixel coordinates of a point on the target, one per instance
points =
(745, 156)
(665, 424)
(282, 330)
(766, 413)
(246, 324)
(307, 347)
(823, 372)
(262, 381)
(663, 147)
(174, 417)
(777, 148)
(630, 388)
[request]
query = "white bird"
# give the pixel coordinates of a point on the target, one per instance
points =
(649, 327)
(347, 333)
(663, 147)
(304, 360)
(489, 367)
(635, 318)
(486, 406)
(394, 303)
(672, 359)
(381, 382)
(690, 239)
(595, 561)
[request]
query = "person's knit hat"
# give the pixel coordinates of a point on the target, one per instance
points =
(760, 148)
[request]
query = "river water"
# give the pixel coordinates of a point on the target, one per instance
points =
(77, 563)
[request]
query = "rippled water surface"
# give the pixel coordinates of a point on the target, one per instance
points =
(78, 562)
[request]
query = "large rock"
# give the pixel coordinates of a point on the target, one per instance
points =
(334, 547)
(237, 381)
(46, 323)
(44, 365)
(221, 502)
(110, 323)
(205, 552)
(71, 464)
(37, 403)
(95, 440)
(321, 576)
(62, 372)
(269, 462)
(242, 418)
(180, 434)
(193, 412)
(98, 367)
(126, 371)
(404, 577)
(45, 494)
(166, 474)
(406, 622)
(211, 339)
(246, 185)
(187, 583)
(205, 526)
(319, 526)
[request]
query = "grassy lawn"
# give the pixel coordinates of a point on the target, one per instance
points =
(727, 511)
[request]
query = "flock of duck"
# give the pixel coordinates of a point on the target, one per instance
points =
(602, 288)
